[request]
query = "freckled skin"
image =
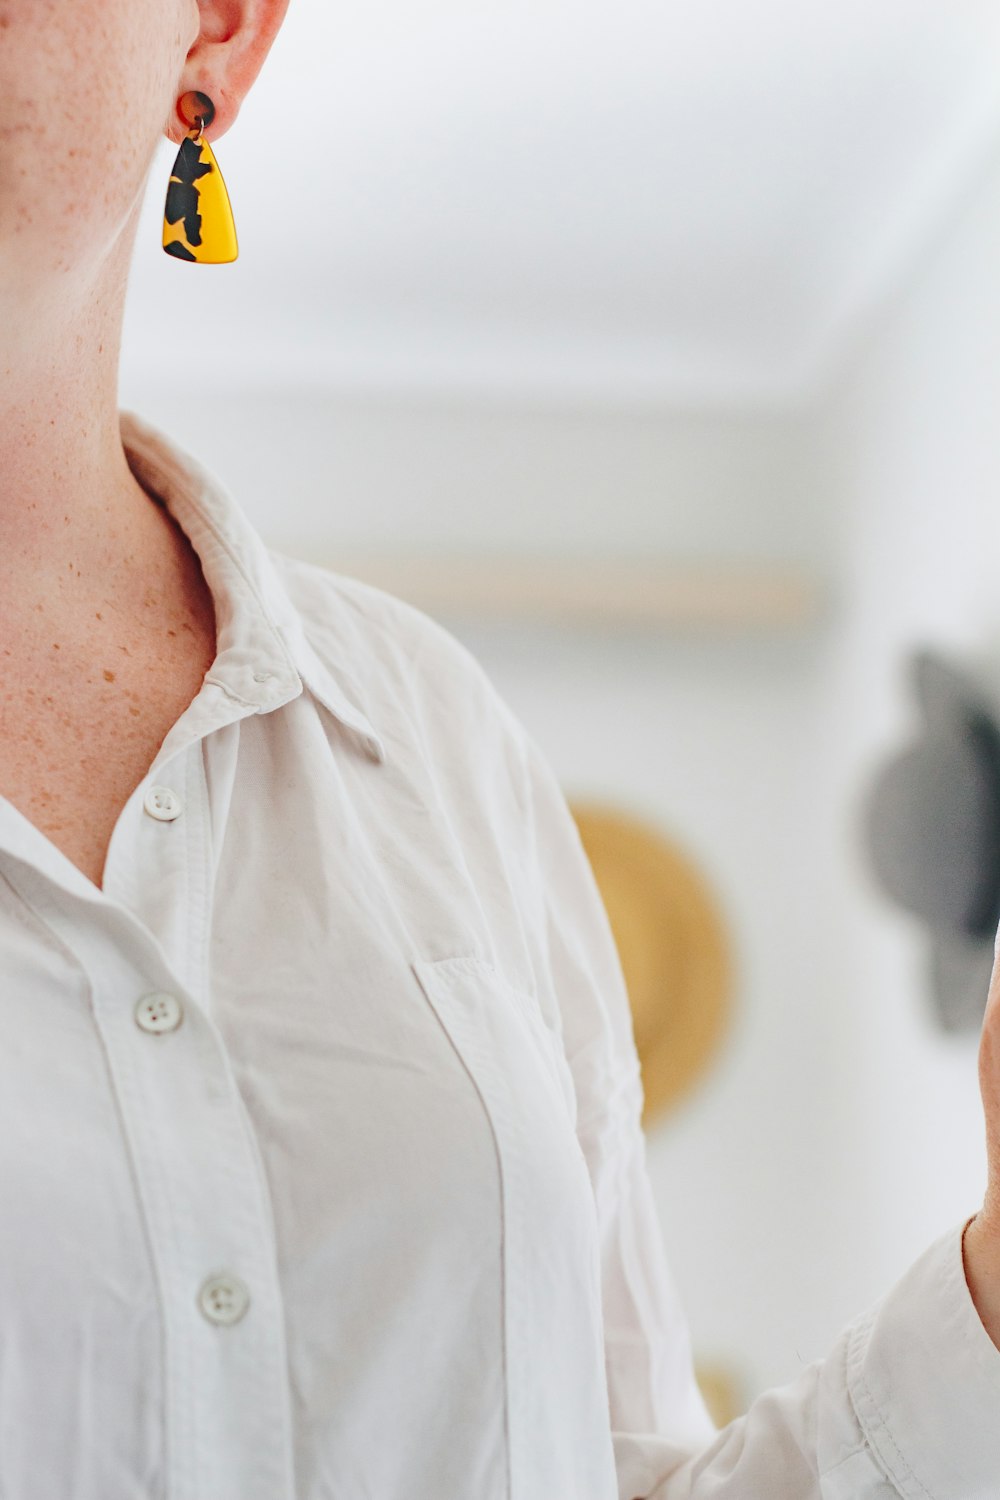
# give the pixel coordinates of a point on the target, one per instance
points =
(87, 92)
(96, 661)
(74, 72)
(89, 89)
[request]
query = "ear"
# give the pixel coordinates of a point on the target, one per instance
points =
(234, 38)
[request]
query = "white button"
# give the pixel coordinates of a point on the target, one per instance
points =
(224, 1299)
(163, 803)
(262, 676)
(159, 1011)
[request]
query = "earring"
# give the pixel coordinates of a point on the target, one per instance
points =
(197, 218)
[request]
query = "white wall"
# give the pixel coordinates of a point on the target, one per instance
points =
(912, 450)
(838, 1131)
(316, 468)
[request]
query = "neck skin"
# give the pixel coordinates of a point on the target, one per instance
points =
(78, 533)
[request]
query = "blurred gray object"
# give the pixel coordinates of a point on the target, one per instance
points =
(931, 826)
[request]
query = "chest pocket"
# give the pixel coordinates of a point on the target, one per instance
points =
(514, 1058)
(557, 1423)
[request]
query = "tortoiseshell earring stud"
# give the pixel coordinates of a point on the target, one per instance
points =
(197, 219)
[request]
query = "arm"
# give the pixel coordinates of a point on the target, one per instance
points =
(906, 1404)
(981, 1245)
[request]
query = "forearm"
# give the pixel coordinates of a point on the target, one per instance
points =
(981, 1254)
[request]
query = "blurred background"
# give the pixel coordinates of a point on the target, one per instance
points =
(655, 350)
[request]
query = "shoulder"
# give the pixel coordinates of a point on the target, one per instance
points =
(333, 604)
(403, 664)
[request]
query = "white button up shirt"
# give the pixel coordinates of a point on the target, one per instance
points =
(321, 1166)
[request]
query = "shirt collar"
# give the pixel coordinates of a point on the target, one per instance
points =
(263, 654)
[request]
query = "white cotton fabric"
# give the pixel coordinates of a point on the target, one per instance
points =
(400, 1109)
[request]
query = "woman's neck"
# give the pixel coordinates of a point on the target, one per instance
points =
(69, 504)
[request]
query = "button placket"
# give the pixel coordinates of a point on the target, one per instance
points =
(205, 1178)
(187, 1116)
(199, 1178)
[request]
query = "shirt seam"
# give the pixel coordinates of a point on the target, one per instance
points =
(875, 1424)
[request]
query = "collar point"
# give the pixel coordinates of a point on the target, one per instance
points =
(373, 748)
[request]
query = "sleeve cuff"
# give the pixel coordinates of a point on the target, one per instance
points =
(924, 1377)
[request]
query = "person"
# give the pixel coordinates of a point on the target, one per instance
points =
(320, 1157)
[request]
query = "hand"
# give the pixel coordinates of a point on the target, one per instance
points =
(981, 1245)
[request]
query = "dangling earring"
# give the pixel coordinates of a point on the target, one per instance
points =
(197, 219)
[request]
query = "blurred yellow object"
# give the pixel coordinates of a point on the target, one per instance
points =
(722, 1394)
(672, 944)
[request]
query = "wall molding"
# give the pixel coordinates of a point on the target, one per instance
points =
(594, 590)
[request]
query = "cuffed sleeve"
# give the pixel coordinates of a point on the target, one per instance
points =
(907, 1402)
(924, 1377)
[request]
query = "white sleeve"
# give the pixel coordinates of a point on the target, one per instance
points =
(907, 1402)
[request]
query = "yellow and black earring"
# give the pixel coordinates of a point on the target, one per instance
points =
(197, 219)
